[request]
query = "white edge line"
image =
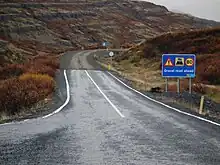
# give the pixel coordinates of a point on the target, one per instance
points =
(57, 110)
(165, 105)
(115, 108)
(67, 98)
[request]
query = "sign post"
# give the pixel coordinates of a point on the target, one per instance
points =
(178, 85)
(166, 87)
(190, 85)
(179, 66)
(111, 54)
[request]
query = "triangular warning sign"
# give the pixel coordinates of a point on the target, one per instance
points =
(168, 62)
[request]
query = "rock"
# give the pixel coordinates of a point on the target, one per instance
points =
(156, 89)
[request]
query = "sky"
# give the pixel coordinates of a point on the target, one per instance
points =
(209, 9)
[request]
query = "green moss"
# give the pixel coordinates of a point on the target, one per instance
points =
(214, 96)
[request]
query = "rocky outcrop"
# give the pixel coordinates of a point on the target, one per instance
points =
(68, 15)
(85, 22)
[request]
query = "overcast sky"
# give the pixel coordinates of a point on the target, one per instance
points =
(209, 9)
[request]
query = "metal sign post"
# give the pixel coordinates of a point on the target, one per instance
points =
(190, 85)
(179, 66)
(178, 85)
(166, 87)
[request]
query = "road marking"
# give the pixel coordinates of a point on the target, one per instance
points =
(115, 108)
(67, 98)
(175, 109)
(56, 111)
(7, 123)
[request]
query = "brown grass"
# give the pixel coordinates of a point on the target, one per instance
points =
(39, 64)
(35, 46)
(22, 85)
(208, 69)
(17, 93)
(204, 43)
(11, 71)
(208, 90)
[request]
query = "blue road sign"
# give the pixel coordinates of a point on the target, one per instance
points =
(179, 65)
(105, 43)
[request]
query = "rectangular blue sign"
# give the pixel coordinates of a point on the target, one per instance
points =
(179, 65)
(105, 43)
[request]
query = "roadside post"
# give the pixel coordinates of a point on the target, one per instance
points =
(190, 85)
(178, 85)
(201, 105)
(166, 87)
(111, 54)
(179, 66)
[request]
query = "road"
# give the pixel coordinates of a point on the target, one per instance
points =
(105, 123)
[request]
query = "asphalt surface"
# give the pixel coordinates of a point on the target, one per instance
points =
(105, 123)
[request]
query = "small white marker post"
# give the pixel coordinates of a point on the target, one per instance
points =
(111, 54)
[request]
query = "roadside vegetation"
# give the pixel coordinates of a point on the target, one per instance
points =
(24, 84)
(142, 64)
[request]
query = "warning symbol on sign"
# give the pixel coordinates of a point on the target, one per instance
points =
(179, 61)
(189, 62)
(168, 62)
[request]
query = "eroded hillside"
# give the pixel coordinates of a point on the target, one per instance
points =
(143, 62)
(77, 24)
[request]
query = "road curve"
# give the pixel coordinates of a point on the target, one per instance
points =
(105, 123)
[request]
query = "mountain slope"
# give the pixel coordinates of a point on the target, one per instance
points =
(143, 62)
(89, 23)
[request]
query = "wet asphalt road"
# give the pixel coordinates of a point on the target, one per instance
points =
(90, 131)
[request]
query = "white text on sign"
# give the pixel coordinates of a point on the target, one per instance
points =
(179, 71)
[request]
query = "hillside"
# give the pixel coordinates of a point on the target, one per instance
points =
(146, 57)
(204, 43)
(57, 27)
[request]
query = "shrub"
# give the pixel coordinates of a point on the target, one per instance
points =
(135, 58)
(11, 70)
(53, 63)
(16, 93)
(199, 88)
(39, 64)
(208, 69)
(38, 68)
(40, 80)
